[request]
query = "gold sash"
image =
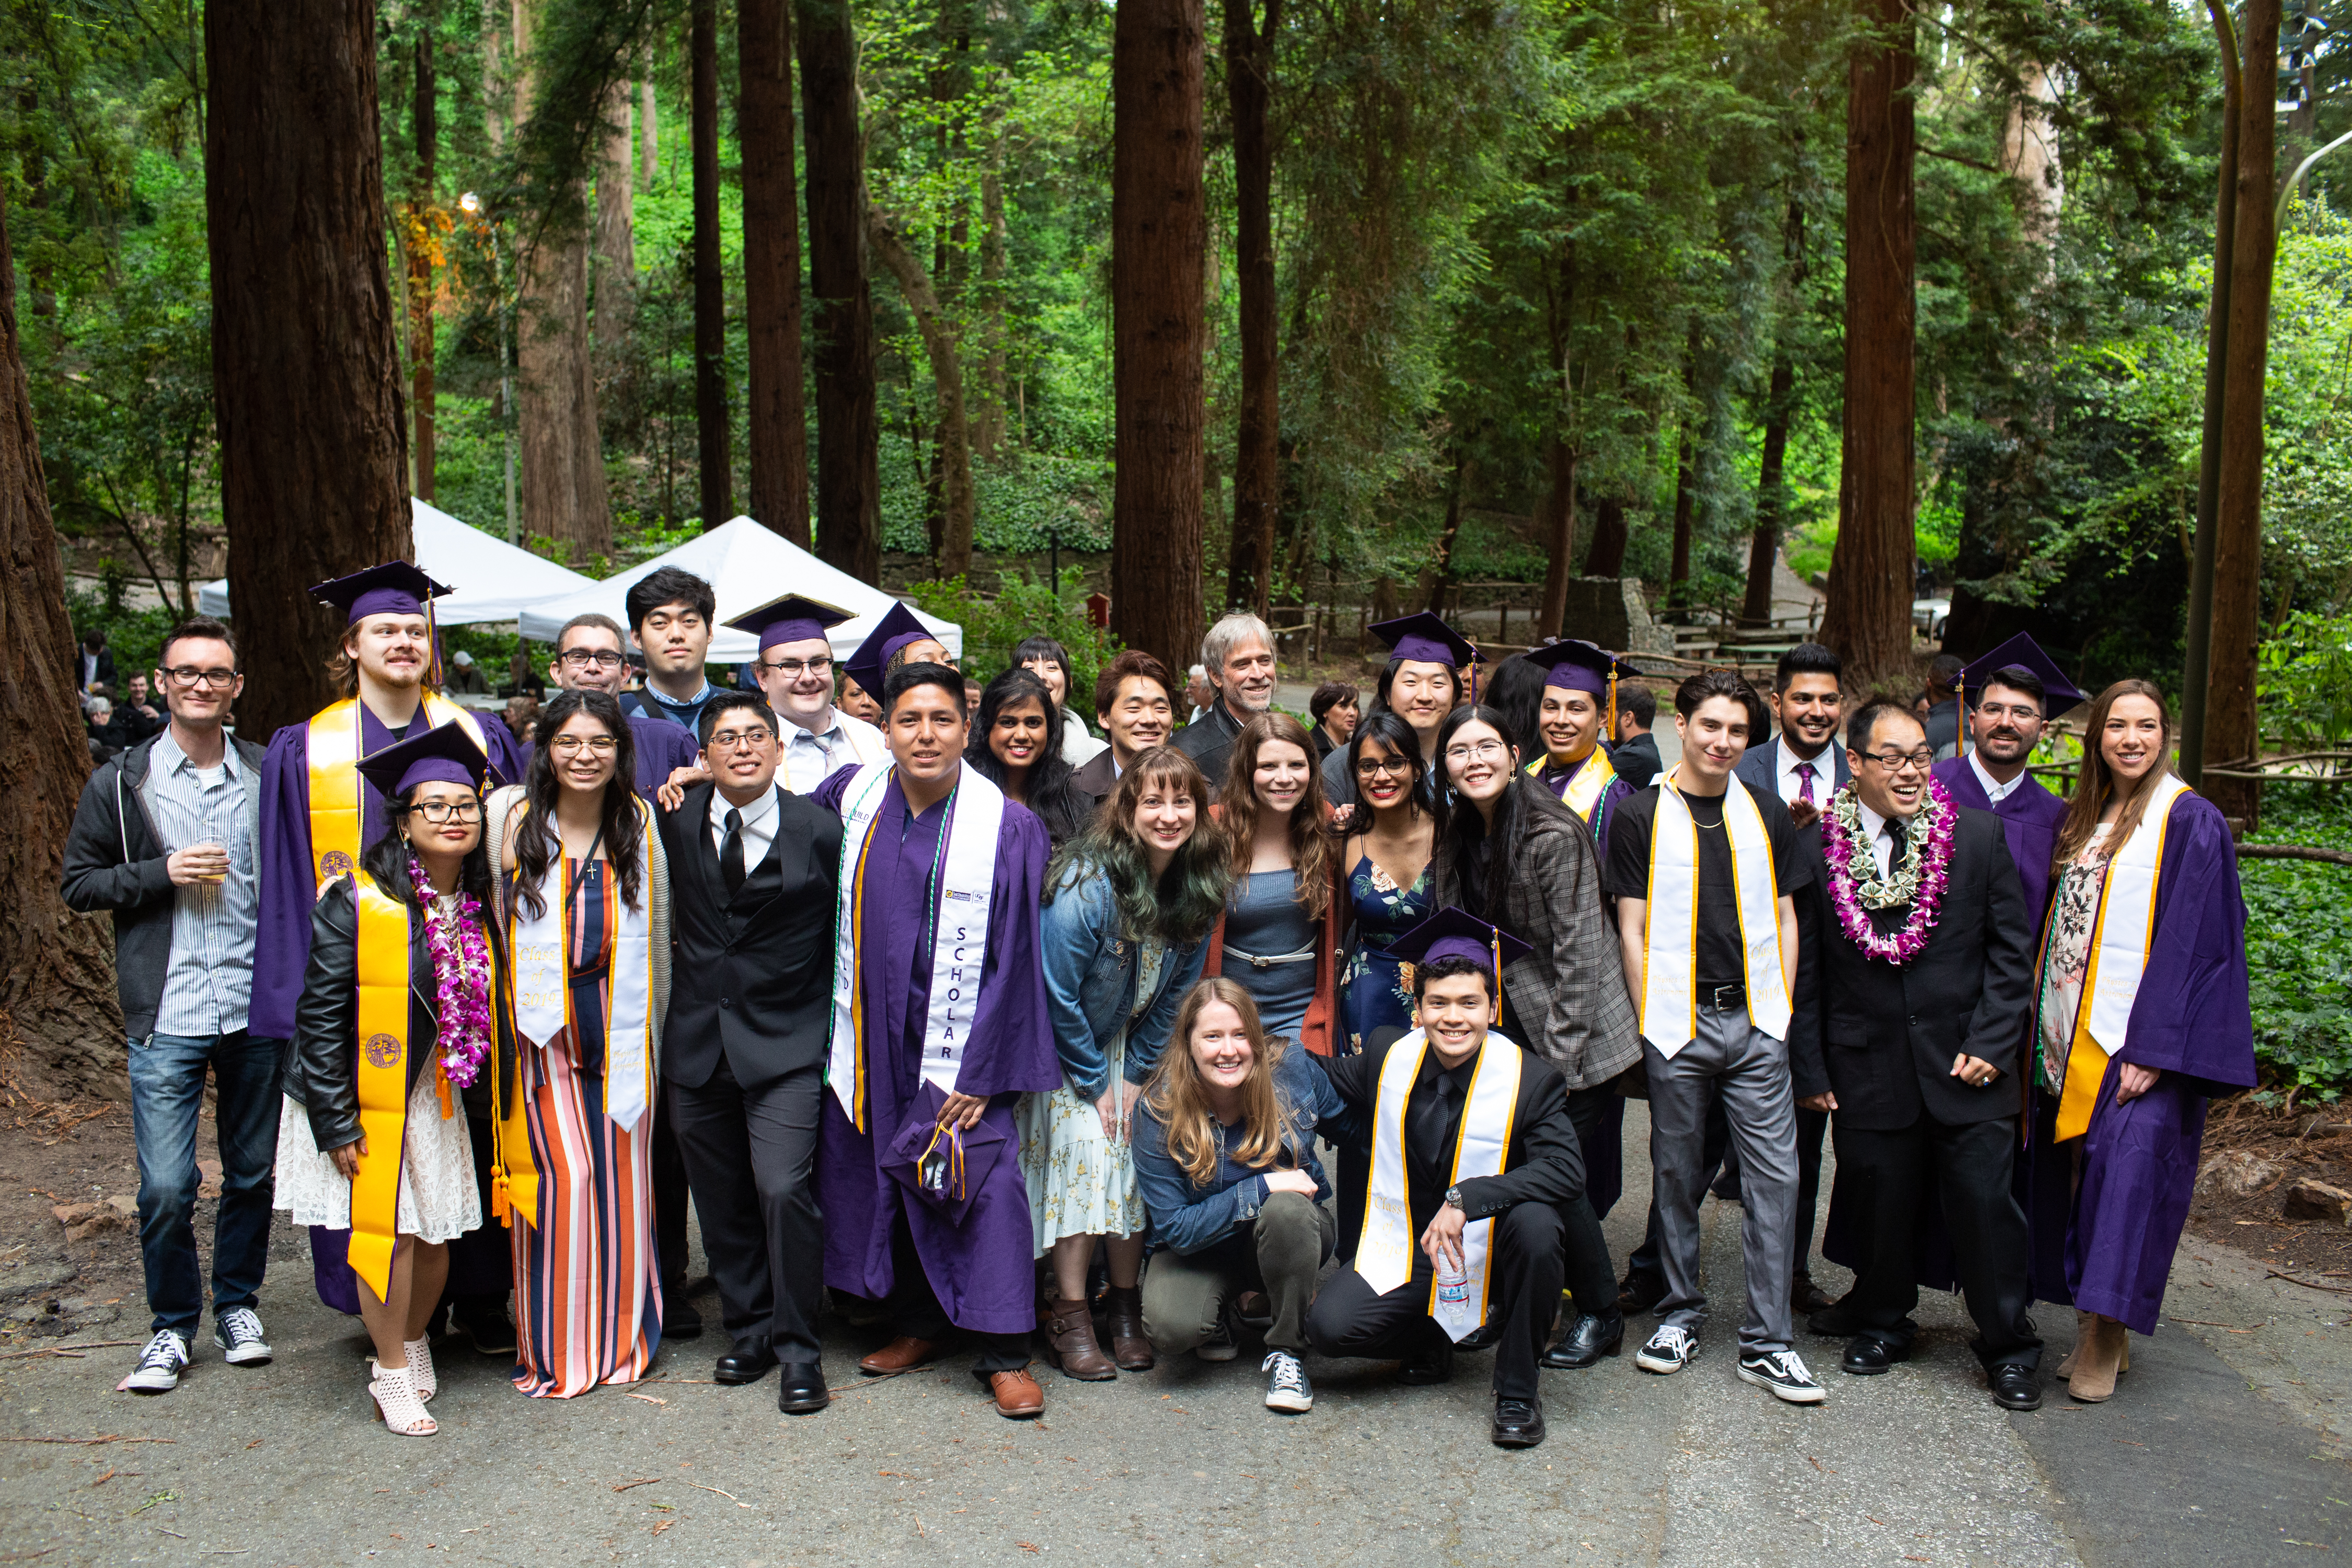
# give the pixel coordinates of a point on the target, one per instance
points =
(337, 802)
(1583, 792)
(382, 1081)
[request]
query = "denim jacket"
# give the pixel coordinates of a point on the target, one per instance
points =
(1186, 1217)
(1090, 981)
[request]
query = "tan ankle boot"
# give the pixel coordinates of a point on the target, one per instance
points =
(2083, 1321)
(2098, 1360)
(1071, 1328)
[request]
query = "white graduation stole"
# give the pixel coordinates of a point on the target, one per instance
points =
(959, 930)
(1670, 929)
(1385, 1255)
(543, 1002)
(2127, 926)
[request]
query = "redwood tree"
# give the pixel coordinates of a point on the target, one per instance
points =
(1257, 481)
(1868, 620)
(714, 459)
(1159, 247)
(772, 268)
(56, 968)
(848, 436)
(423, 241)
(306, 368)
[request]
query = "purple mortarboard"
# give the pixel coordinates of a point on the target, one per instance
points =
(1427, 638)
(942, 1167)
(1576, 666)
(1453, 933)
(445, 754)
(792, 618)
(396, 588)
(897, 628)
(2021, 652)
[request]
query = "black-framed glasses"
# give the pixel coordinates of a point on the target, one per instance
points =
(440, 811)
(793, 669)
(1373, 767)
(735, 740)
(589, 658)
(1895, 761)
(189, 675)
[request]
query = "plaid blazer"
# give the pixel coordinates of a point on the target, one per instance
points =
(1569, 994)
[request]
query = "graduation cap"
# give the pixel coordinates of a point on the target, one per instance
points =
(445, 754)
(792, 618)
(2021, 652)
(394, 588)
(1425, 636)
(1572, 664)
(1453, 932)
(895, 630)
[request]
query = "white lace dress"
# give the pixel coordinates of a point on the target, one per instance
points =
(1081, 1181)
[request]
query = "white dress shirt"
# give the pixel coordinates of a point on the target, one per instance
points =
(1876, 825)
(759, 826)
(1791, 786)
(810, 756)
(1995, 791)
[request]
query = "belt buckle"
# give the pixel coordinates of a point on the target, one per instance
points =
(1739, 994)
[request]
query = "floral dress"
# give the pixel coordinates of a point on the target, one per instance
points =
(2066, 961)
(1377, 990)
(1081, 1181)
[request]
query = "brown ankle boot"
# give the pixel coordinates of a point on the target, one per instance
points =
(1071, 1327)
(2083, 1321)
(1123, 1325)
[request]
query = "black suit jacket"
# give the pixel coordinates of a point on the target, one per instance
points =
(1544, 1164)
(1637, 760)
(751, 977)
(1883, 1037)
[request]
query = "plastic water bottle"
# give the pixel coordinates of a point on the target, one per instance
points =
(1453, 1282)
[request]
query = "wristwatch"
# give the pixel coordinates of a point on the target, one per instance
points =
(1453, 1196)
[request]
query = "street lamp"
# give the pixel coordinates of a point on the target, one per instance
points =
(470, 203)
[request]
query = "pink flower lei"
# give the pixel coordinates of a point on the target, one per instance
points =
(1921, 881)
(461, 974)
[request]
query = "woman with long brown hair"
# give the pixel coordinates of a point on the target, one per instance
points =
(1224, 1153)
(2143, 1016)
(1279, 937)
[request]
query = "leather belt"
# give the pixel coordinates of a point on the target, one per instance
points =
(1723, 998)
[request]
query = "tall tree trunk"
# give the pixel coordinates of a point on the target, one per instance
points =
(956, 501)
(648, 134)
(1258, 479)
(714, 460)
(988, 420)
(848, 472)
(56, 968)
(306, 364)
(1678, 567)
(616, 241)
(1158, 246)
(2232, 720)
(778, 424)
(423, 244)
(1610, 537)
(1556, 529)
(1771, 491)
(1868, 621)
(1438, 575)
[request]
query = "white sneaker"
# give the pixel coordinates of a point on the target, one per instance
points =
(158, 1364)
(1670, 1349)
(1287, 1387)
(237, 1331)
(1783, 1372)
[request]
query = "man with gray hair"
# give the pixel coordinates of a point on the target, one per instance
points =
(1238, 653)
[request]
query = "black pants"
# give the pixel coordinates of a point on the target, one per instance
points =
(669, 1201)
(481, 1261)
(1884, 1173)
(751, 1158)
(914, 1309)
(1350, 1319)
(1715, 1153)
(1590, 1278)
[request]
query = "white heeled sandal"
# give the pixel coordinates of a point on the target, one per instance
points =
(420, 1367)
(397, 1404)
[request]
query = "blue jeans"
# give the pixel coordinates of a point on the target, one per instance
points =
(167, 1090)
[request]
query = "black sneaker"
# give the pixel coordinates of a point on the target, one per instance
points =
(160, 1364)
(1287, 1388)
(489, 1332)
(1670, 1349)
(1783, 1374)
(237, 1331)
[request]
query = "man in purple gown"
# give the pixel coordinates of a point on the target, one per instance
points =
(959, 1258)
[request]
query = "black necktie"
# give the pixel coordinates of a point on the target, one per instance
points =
(1898, 845)
(1434, 1124)
(730, 852)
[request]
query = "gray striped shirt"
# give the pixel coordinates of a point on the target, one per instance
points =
(208, 985)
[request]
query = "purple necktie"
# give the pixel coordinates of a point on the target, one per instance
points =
(1805, 784)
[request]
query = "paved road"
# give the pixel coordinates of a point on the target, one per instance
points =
(2224, 1446)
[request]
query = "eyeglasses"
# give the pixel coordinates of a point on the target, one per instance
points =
(189, 675)
(793, 669)
(439, 811)
(1919, 761)
(601, 745)
(738, 740)
(1484, 752)
(1374, 767)
(2023, 712)
(589, 658)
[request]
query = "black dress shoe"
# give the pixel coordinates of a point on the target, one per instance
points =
(1519, 1422)
(1807, 1296)
(1866, 1356)
(1590, 1336)
(679, 1320)
(801, 1390)
(744, 1364)
(2015, 1388)
(1431, 1363)
(1639, 1292)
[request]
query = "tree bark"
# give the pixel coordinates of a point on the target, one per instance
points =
(1556, 527)
(957, 505)
(306, 368)
(1610, 537)
(2232, 720)
(1258, 479)
(988, 420)
(423, 245)
(616, 243)
(1771, 491)
(778, 419)
(714, 460)
(648, 134)
(56, 968)
(1438, 576)
(848, 471)
(1868, 620)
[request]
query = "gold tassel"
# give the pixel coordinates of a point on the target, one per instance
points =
(502, 1209)
(441, 1088)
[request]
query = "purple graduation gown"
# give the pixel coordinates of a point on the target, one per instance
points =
(981, 1269)
(2107, 1248)
(2030, 816)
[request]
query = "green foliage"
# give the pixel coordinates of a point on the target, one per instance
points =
(2305, 672)
(135, 637)
(1023, 606)
(1021, 504)
(2298, 948)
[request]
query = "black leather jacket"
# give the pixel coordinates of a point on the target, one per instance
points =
(319, 1069)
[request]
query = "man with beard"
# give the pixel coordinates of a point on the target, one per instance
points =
(1238, 653)
(2012, 693)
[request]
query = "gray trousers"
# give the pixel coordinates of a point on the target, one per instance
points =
(1281, 1253)
(1750, 1070)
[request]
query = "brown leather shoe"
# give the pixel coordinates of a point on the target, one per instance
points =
(1017, 1395)
(1071, 1330)
(898, 1355)
(1123, 1325)
(1805, 1296)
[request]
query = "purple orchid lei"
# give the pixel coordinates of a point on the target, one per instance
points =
(1922, 881)
(461, 976)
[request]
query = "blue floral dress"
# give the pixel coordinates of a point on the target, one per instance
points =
(1377, 990)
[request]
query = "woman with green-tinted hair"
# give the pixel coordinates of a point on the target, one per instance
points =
(1128, 906)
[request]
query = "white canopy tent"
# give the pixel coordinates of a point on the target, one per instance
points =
(746, 565)
(493, 580)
